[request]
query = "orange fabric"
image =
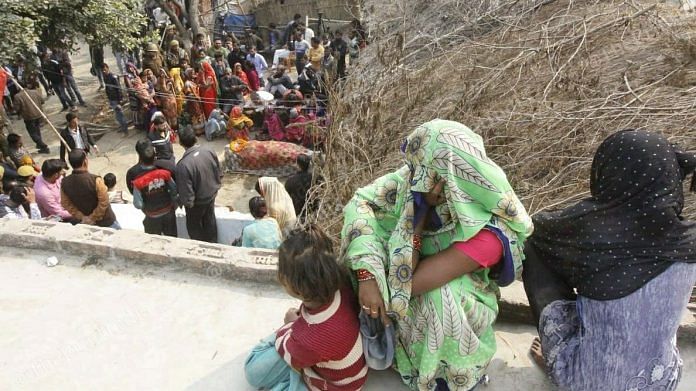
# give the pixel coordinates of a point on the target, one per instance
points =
(207, 93)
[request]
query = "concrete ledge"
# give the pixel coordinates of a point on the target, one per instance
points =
(212, 260)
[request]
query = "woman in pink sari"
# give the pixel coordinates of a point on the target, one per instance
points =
(207, 86)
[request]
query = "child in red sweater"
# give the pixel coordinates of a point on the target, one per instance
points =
(319, 347)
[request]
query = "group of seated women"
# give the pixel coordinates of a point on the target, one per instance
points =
(425, 249)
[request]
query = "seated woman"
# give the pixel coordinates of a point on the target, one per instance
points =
(278, 201)
(238, 125)
(264, 232)
(319, 347)
(630, 257)
(421, 242)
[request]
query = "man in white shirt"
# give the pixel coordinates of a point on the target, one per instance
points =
(76, 136)
(308, 32)
(301, 49)
(259, 63)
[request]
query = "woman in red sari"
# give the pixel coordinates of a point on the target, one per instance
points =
(252, 76)
(207, 86)
(239, 72)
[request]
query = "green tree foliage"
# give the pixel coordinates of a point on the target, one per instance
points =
(60, 23)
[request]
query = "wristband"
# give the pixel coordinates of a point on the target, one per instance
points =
(417, 242)
(364, 275)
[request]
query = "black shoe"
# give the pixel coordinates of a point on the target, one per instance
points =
(83, 104)
(63, 109)
(45, 151)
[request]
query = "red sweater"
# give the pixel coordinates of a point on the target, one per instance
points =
(325, 345)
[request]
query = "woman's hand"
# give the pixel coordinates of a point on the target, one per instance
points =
(370, 299)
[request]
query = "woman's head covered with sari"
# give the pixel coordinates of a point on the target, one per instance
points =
(476, 195)
(476, 190)
(630, 230)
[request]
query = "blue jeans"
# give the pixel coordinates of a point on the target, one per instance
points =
(59, 89)
(120, 117)
(71, 87)
(264, 368)
(115, 225)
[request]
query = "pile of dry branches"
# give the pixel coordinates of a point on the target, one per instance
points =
(543, 82)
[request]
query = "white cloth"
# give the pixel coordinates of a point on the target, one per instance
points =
(230, 224)
(278, 54)
(259, 64)
(278, 202)
(17, 213)
(309, 34)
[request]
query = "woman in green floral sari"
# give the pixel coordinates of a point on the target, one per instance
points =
(398, 237)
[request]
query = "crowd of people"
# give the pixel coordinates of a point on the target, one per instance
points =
(223, 89)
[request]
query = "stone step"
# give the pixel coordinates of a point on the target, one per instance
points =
(210, 259)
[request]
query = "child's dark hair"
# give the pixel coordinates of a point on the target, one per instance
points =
(110, 180)
(308, 267)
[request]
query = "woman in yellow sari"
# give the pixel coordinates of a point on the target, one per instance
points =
(178, 83)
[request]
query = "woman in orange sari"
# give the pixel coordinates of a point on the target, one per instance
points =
(239, 72)
(193, 106)
(207, 86)
(166, 99)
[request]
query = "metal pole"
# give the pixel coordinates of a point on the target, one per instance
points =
(40, 111)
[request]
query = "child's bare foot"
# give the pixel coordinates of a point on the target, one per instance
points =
(536, 353)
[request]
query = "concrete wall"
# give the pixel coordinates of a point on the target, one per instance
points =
(281, 14)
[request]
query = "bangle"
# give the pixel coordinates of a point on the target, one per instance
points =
(417, 242)
(364, 275)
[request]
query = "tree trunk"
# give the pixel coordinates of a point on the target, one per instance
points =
(194, 17)
(191, 15)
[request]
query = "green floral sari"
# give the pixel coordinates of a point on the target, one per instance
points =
(446, 333)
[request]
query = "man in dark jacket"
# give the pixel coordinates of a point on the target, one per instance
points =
(76, 136)
(96, 55)
(85, 195)
(340, 51)
(113, 95)
(235, 56)
(154, 192)
(54, 73)
(198, 179)
(137, 169)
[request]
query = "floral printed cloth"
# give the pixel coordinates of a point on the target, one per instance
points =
(627, 344)
(446, 333)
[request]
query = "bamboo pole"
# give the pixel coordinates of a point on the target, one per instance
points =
(67, 147)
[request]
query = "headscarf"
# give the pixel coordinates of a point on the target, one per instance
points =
(239, 72)
(477, 195)
(178, 83)
(278, 202)
(630, 230)
(140, 90)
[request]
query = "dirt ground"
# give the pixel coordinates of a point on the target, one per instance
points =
(117, 154)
